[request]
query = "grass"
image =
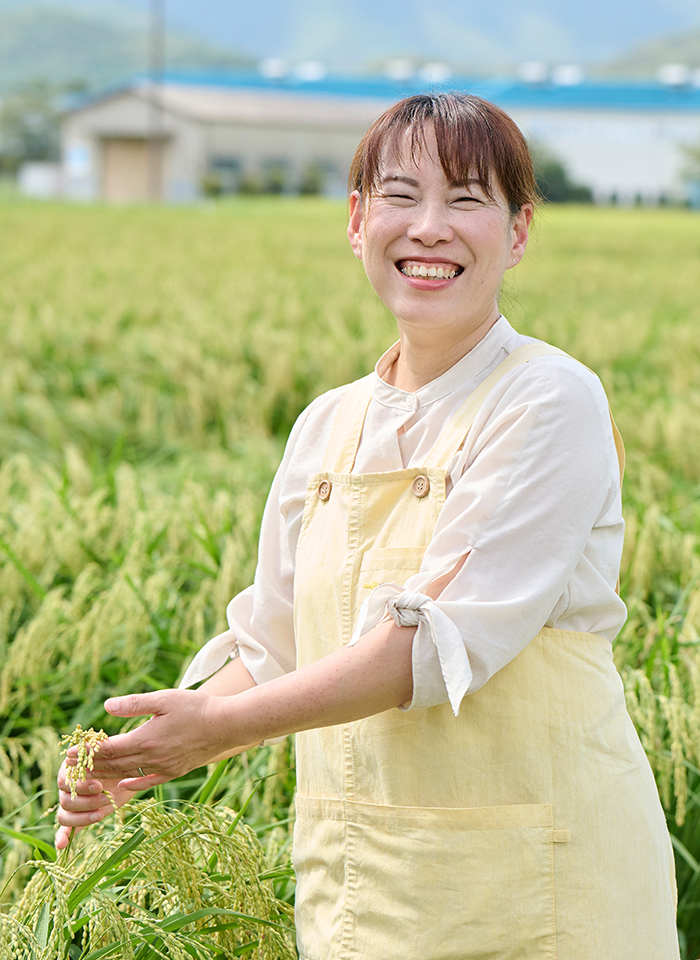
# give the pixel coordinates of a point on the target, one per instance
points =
(153, 361)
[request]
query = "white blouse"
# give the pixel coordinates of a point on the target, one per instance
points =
(533, 498)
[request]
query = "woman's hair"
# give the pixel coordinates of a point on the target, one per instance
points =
(475, 138)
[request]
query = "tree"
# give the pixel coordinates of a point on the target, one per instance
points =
(691, 175)
(29, 125)
(553, 180)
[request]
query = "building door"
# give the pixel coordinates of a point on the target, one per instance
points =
(132, 169)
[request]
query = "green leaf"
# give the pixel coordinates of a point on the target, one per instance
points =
(34, 797)
(244, 948)
(82, 890)
(31, 580)
(110, 949)
(686, 854)
(209, 786)
(41, 845)
(283, 871)
(177, 921)
(41, 930)
(180, 920)
(160, 629)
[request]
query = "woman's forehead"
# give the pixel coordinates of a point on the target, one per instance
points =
(410, 147)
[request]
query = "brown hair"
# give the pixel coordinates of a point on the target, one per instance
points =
(474, 138)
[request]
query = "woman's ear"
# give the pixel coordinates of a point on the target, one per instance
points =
(521, 232)
(355, 224)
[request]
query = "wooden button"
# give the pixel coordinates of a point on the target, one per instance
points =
(324, 490)
(421, 485)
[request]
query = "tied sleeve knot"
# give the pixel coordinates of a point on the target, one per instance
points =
(405, 610)
(433, 626)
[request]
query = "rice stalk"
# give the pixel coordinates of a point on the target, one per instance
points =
(168, 879)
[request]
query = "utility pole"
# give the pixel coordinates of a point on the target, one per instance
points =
(156, 63)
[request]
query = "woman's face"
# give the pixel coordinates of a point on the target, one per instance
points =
(435, 251)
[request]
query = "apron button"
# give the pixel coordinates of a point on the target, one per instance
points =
(324, 490)
(421, 486)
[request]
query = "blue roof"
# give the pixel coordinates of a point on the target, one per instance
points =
(589, 94)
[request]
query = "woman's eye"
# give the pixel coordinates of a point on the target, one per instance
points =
(469, 200)
(399, 197)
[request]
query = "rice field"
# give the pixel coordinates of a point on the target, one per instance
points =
(153, 362)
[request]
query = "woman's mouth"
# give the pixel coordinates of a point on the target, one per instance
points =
(429, 271)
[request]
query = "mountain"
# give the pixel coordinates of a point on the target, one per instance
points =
(348, 34)
(70, 46)
(645, 59)
(102, 41)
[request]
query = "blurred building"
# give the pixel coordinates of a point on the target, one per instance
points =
(190, 135)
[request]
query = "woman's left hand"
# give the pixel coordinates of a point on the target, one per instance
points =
(186, 730)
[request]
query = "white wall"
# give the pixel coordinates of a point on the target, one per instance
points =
(627, 153)
(39, 180)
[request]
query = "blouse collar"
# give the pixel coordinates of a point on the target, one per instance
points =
(466, 369)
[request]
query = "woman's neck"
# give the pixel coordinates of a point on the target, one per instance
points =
(426, 356)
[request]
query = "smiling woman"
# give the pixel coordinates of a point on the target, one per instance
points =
(435, 239)
(434, 607)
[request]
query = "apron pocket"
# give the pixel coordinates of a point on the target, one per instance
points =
(434, 883)
(388, 564)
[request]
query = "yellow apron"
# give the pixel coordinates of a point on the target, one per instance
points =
(527, 828)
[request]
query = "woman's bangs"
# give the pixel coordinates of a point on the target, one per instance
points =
(463, 153)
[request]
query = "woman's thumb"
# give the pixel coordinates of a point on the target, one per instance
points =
(135, 704)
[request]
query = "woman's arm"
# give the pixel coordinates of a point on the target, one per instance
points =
(190, 728)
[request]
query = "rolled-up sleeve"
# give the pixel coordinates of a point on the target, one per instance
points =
(436, 635)
(536, 500)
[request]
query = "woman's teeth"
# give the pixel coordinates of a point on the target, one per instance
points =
(424, 271)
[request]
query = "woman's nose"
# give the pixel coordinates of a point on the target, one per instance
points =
(430, 224)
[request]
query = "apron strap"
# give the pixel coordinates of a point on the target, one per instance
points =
(347, 428)
(452, 437)
(619, 447)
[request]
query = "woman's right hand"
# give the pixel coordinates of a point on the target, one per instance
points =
(90, 805)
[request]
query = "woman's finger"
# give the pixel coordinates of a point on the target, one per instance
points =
(119, 755)
(138, 704)
(117, 767)
(69, 818)
(120, 743)
(85, 788)
(62, 838)
(142, 783)
(82, 802)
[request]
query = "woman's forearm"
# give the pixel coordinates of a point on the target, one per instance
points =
(348, 684)
(231, 679)
(351, 683)
(189, 728)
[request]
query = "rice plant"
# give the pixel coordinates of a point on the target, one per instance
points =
(153, 361)
(176, 881)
